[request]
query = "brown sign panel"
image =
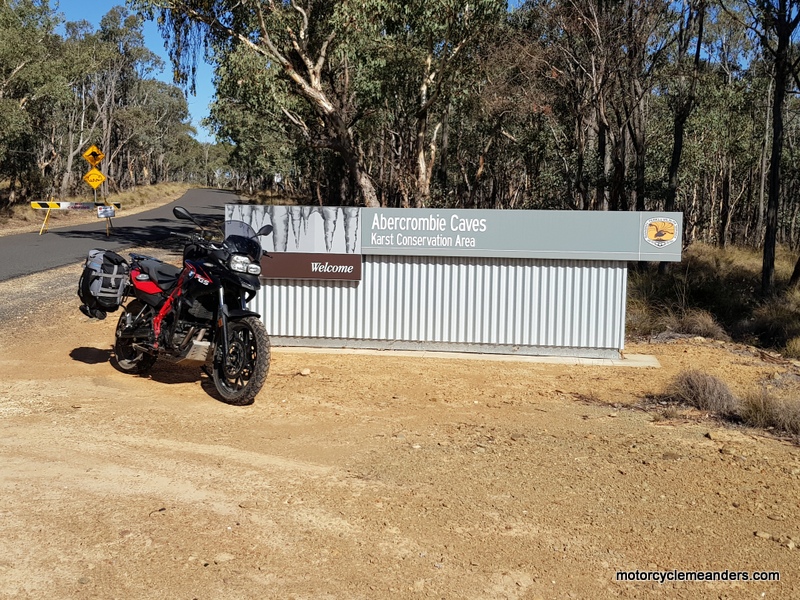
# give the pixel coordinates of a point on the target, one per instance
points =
(295, 265)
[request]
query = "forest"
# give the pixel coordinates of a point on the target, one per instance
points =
(560, 104)
(66, 86)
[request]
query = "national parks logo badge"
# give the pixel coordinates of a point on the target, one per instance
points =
(660, 231)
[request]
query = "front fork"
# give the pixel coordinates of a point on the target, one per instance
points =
(222, 323)
(223, 318)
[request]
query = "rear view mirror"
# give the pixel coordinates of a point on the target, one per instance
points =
(182, 213)
(265, 230)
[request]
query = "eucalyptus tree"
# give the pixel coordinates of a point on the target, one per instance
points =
(775, 25)
(682, 85)
(151, 132)
(346, 62)
(295, 39)
(248, 113)
(28, 84)
(79, 120)
(603, 56)
(429, 49)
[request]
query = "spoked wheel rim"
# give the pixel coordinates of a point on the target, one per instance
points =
(237, 369)
(240, 375)
(124, 347)
(128, 358)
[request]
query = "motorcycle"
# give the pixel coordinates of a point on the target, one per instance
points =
(197, 314)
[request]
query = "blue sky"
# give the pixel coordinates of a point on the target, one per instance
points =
(93, 11)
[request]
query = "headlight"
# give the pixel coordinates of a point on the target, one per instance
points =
(242, 264)
(239, 263)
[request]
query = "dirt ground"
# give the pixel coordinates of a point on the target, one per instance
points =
(376, 476)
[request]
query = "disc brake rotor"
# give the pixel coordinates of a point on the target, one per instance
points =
(234, 362)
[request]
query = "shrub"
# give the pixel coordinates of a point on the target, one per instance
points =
(703, 391)
(777, 320)
(702, 322)
(762, 409)
(694, 321)
(641, 319)
(792, 348)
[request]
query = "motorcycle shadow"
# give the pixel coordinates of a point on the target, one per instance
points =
(163, 371)
(168, 373)
(91, 356)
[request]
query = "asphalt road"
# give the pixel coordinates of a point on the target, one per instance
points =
(27, 253)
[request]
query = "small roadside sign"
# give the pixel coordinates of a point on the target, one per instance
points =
(105, 212)
(94, 178)
(93, 156)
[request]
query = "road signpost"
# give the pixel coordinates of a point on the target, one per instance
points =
(94, 178)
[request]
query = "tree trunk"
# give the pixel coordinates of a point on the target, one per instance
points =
(764, 169)
(725, 208)
(602, 137)
(782, 67)
(442, 171)
(423, 177)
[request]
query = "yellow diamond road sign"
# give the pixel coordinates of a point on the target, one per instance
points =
(94, 178)
(93, 156)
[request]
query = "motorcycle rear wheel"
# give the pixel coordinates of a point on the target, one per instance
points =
(240, 375)
(130, 359)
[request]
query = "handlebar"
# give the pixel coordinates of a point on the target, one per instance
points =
(199, 239)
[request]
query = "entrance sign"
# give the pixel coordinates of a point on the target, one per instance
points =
(299, 265)
(489, 281)
(545, 234)
(548, 234)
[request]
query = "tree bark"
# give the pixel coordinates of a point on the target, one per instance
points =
(725, 207)
(782, 70)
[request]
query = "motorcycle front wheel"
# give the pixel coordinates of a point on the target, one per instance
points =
(130, 359)
(239, 375)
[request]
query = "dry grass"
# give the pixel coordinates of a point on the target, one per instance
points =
(701, 322)
(22, 218)
(760, 409)
(764, 410)
(702, 391)
(777, 320)
(792, 348)
(694, 321)
(715, 293)
(274, 198)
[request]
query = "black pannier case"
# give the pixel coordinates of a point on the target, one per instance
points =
(103, 283)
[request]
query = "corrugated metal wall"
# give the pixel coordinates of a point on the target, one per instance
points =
(460, 303)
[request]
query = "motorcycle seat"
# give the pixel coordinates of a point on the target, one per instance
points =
(163, 274)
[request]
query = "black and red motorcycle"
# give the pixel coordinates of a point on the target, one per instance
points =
(198, 314)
